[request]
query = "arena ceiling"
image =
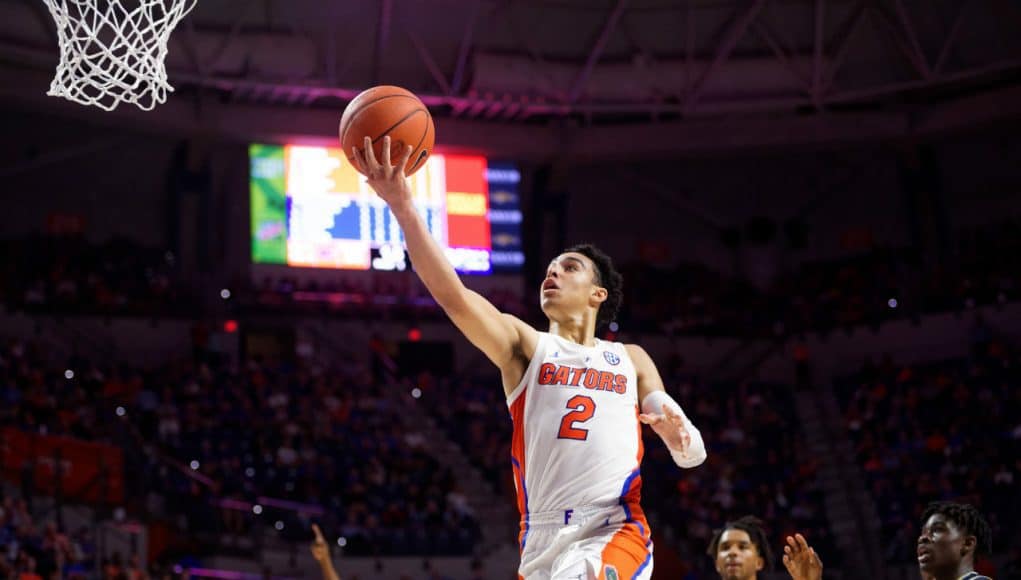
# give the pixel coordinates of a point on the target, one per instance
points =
(628, 66)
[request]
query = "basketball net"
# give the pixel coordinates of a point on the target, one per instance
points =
(113, 51)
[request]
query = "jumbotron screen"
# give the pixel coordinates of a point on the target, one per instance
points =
(311, 208)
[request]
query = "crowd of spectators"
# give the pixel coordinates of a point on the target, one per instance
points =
(34, 546)
(942, 431)
(868, 288)
(757, 463)
(66, 274)
(212, 441)
(386, 295)
(37, 548)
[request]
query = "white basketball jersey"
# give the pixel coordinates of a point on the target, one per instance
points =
(577, 438)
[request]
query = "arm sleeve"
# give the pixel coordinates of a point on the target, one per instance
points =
(696, 453)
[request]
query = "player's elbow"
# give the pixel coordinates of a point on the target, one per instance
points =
(694, 459)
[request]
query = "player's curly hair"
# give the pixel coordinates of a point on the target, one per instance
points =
(752, 526)
(968, 519)
(608, 277)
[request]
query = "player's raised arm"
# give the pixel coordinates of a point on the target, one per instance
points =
(496, 334)
(663, 414)
(800, 559)
(321, 552)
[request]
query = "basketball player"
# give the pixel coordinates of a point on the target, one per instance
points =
(953, 534)
(740, 551)
(574, 401)
(321, 552)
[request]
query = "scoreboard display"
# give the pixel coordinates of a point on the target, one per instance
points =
(310, 208)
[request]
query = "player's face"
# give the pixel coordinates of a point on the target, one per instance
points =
(941, 546)
(737, 558)
(569, 285)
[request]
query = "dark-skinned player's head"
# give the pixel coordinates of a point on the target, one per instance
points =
(953, 534)
(581, 277)
(740, 550)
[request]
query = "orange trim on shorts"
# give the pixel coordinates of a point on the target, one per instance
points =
(627, 551)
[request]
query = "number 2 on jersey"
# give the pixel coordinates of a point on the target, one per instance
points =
(582, 409)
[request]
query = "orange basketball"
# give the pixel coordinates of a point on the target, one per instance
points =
(388, 110)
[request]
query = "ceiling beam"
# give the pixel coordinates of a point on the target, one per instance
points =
(912, 38)
(842, 42)
(330, 58)
(466, 43)
(596, 51)
(382, 38)
(878, 13)
(951, 38)
(523, 40)
(763, 30)
(427, 60)
(818, 48)
(689, 44)
(229, 38)
(23, 90)
(739, 24)
(971, 75)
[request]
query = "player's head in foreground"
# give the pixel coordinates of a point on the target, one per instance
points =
(953, 534)
(581, 287)
(740, 550)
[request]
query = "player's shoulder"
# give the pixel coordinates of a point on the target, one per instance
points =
(517, 322)
(635, 350)
(527, 335)
(974, 576)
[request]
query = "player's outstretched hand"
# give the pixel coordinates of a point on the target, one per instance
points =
(800, 559)
(385, 178)
(670, 427)
(320, 549)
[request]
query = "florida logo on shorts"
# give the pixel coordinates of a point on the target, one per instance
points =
(610, 572)
(611, 358)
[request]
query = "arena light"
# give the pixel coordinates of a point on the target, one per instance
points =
(414, 334)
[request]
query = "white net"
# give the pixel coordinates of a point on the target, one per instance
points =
(113, 51)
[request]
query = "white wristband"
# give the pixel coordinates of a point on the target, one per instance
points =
(696, 453)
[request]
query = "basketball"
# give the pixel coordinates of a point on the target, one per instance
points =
(388, 110)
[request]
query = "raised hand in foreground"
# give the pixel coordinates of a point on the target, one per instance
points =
(800, 559)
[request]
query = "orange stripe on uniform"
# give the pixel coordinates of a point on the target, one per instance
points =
(629, 550)
(517, 412)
